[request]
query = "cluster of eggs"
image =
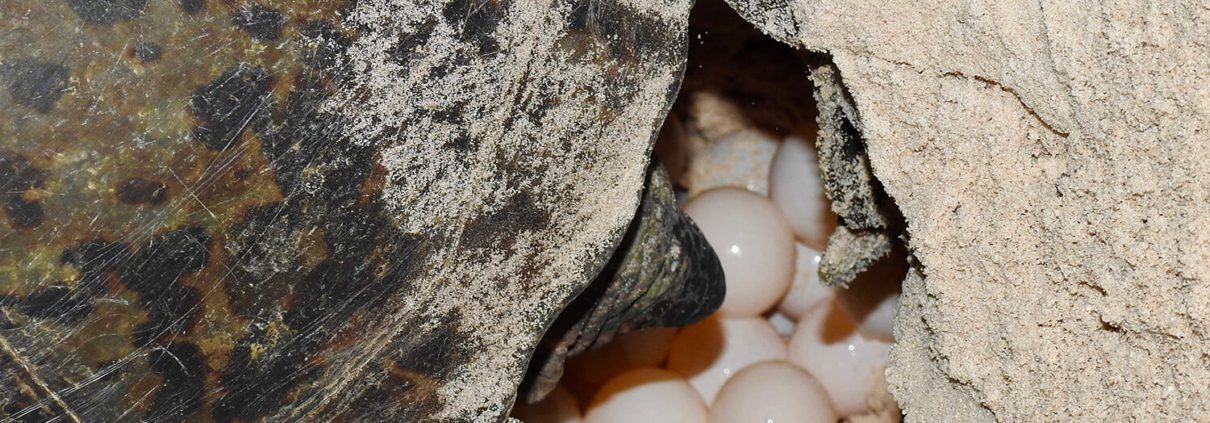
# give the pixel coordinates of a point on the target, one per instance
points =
(782, 347)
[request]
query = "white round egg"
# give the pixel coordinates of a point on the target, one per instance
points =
(872, 299)
(783, 324)
(879, 323)
(806, 291)
(772, 392)
(828, 345)
(711, 351)
(646, 395)
(796, 187)
(754, 244)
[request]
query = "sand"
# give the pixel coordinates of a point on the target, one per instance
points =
(1051, 162)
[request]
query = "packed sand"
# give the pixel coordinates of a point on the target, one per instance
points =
(1051, 162)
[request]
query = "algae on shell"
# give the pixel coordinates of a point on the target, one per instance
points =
(325, 210)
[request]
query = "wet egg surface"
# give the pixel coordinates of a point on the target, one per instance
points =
(782, 348)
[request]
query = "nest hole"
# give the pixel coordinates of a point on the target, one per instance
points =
(740, 81)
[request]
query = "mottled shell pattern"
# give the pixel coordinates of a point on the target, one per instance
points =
(371, 210)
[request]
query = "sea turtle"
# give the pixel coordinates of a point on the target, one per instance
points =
(355, 210)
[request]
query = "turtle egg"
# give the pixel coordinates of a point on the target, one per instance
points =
(709, 352)
(772, 392)
(754, 244)
(806, 291)
(872, 299)
(558, 407)
(827, 344)
(880, 322)
(646, 395)
(796, 187)
(783, 324)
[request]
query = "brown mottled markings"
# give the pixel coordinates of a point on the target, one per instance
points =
(182, 369)
(155, 270)
(106, 12)
(141, 191)
(20, 183)
(34, 83)
(240, 98)
(260, 22)
(500, 229)
(54, 302)
(192, 7)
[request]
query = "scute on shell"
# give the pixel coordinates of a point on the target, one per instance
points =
(322, 210)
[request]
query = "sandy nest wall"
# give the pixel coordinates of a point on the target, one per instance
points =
(1052, 163)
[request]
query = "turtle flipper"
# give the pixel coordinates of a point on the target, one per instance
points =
(664, 273)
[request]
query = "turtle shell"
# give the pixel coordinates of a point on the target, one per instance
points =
(310, 210)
